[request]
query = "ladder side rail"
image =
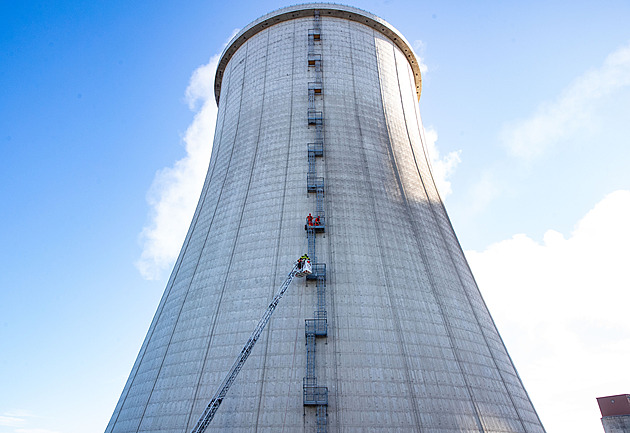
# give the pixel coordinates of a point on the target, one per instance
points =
(212, 407)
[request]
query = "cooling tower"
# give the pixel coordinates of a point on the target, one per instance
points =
(318, 114)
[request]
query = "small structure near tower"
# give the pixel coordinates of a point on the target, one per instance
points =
(615, 410)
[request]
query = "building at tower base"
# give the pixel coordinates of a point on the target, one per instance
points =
(318, 115)
(615, 410)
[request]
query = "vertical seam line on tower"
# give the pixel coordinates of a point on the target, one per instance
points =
(210, 334)
(459, 277)
(391, 297)
(169, 288)
(275, 267)
(245, 200)
(286, 169)
(182, 305)
(229, 79)
(330, 274)
(461, 251)
(423, 254)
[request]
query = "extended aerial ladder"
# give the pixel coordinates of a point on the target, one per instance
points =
(301, 268)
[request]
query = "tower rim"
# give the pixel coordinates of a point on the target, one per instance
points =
(306, 10)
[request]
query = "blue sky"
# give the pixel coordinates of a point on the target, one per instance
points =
(105, 130)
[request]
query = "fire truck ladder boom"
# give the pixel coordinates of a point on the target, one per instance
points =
(214, 404)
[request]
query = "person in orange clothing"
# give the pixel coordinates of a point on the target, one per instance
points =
(309, 219)
(317, 222)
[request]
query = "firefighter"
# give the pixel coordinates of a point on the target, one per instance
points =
(302, 260)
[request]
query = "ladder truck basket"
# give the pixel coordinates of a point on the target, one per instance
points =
(307, 268)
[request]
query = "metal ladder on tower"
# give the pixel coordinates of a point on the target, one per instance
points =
(313, 393)
(220, 394)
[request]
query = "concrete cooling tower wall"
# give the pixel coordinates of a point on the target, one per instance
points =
(318, 114)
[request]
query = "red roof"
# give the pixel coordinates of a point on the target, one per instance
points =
(614, 405)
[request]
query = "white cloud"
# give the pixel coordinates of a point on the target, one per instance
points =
(572, 112)
(483, 191)
(18, 420)
(441, 168)
(34, 430)
(419, 47)
(7, 420)
(561, 306)
(175, 190)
